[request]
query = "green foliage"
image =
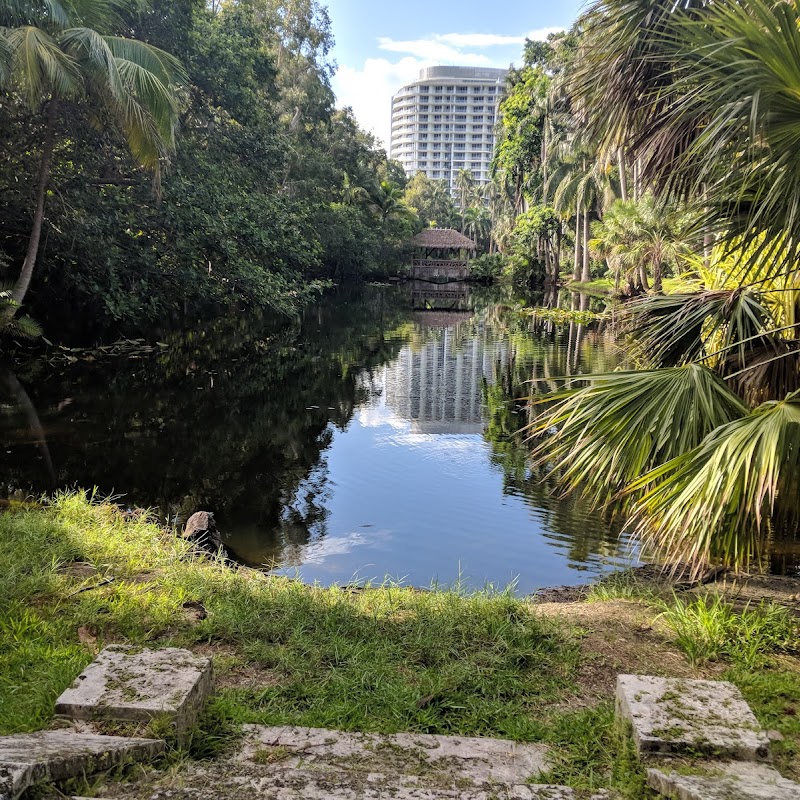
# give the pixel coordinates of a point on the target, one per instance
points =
(249, 211)
(533, 232)
(709, 628)
(432, 201)
(603, 437)
(641, 235)
(487, 266)
(23, 326)
(720, 499)
(592, 751)
(688, 116)
(772, 693)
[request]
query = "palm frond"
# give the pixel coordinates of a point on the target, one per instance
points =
(719, 501)
(600, 438)
(675, 329)
(40, 68)
(43, 13)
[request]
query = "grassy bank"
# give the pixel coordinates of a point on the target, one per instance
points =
(75, 576)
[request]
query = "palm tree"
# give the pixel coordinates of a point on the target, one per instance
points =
(636, 235)
(54, 54)
(700, 449)
(352, 193)
(583, 183)
(465, 186)
(388, 201)
(477, 223)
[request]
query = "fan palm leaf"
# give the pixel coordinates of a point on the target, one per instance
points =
(600, 438)
(679, 328)
(721, 499)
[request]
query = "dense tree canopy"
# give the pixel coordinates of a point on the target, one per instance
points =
(255, 199)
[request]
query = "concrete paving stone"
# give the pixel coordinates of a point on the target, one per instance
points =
(136, 685)
(690, 717)
(475, 759)
(318, 788)
(289, 763)
(727, 781)
(30, 758)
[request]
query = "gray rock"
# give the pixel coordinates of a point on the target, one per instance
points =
(136, 685)
(728, 781)
(201, 529)
(690, 717)
(31, 758)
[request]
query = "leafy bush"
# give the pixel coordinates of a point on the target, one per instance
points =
(487, 266)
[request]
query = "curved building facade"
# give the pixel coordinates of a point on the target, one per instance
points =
(445, 121)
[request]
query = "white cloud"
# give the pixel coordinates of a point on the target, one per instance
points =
(434, 50)
(492, 39)
(368, 91)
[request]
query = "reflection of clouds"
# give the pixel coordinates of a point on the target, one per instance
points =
(318, 551)
(379, 414)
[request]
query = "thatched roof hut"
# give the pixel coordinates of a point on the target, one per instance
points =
(442, 239)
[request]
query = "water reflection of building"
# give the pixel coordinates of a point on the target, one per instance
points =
(439, 387)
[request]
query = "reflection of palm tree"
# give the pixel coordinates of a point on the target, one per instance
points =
(10, 383)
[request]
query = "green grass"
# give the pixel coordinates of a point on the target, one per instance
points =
(624, 586)
(386, 659)
(709, 628)
(773, 693)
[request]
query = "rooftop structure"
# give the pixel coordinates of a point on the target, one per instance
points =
(444, 122)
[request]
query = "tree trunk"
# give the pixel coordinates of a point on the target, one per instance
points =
(576, 268)
(617, 275)
(645, 283)
(557, 256)
(623, 173)
(658, 276)
(26, 273)
(586, 274)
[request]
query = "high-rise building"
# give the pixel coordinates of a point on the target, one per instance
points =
(445, 121)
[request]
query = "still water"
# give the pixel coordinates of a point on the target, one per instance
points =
(377, 437)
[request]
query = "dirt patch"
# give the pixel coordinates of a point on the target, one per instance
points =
(743, 589)
(78, 569)
(619, 636)
(231, 671)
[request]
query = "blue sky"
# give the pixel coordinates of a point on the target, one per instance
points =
(381, 46)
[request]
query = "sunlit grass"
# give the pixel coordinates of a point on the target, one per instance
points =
(709, 628)
(383, 659)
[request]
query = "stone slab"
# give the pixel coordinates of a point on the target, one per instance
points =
(741, 780)
(306, 786)
(477, 760)
(690, 717)
(27, 759)
(289, 763)
(137, 685)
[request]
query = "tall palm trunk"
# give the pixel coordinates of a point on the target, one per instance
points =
(623, 172)
(643, 281)
(586, 274)
(26, 273)
(576, 267)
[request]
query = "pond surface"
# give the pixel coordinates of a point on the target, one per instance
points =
(376, 437)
